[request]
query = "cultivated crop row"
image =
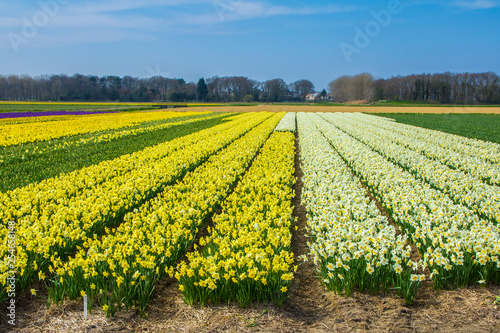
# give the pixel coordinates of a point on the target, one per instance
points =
(485, 150)
(480, 161)
(50, 227)
(30, 199)
(352, 244)
(118, 134)
(247, 255)
(124, 266)
(287, 124)
(113, 230)
(15, 134)
(458, 247)
(459, 186)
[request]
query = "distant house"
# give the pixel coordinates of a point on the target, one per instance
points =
(312, 97)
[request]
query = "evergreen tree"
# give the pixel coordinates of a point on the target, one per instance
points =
(201, 90)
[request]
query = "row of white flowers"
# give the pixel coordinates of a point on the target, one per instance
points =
(441, 147)
(287, 123)
(352, 244)
(461, 187)
(488, 151)
(458, 247)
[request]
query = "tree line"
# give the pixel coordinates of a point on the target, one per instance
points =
(458, 88)
(130, 89)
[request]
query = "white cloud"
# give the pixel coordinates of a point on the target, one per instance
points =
(123, 19)
(463, 4)
(90, 37)
(183, 12)
(126, 14)
(90, 20)
(477, 4)
(99, 7)
(72, 38)
(246, 10)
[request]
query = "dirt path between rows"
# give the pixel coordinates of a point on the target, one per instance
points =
(309, 308)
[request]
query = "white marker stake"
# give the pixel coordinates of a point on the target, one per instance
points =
(85, 306)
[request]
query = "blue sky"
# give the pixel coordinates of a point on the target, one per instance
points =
(315, 40)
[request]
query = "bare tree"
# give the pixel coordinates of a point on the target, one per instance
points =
(340, 89)
(275, 90)
(362, 87)
(301, 89)
(352, 88)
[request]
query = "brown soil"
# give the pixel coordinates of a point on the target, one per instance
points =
(309, 308)
(366, 109)
(359, 102)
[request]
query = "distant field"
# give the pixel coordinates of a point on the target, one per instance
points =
(6, 106)
(476, 126)
(419, 104)
(9, 106)
(365, 109)
(66, 107)
(72, 103)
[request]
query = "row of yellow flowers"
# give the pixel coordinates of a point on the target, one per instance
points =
(247, 255)
(39, 119)
(118, 134)
(122, 268)
(43, 119)
(458, 247)
(352, 244)
(459, 186)
(31, 199)
(51, 228)
(478, 158)
(15, 134)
